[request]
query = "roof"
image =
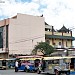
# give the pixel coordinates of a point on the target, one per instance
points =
(58, 57)
(63, 29)
(49, 26)
(11, 59)
(60, 37)
(46, 23)
(14, 16)
(31, 56)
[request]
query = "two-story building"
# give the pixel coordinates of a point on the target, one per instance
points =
(61, 39)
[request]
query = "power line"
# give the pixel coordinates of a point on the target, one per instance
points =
(28, 39)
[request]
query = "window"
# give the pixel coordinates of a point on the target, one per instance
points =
(53, 43)
(59, 43)
(66, 43)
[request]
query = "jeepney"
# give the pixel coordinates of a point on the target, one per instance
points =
(57, 65)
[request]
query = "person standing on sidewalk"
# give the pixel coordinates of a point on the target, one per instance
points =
(16, 66)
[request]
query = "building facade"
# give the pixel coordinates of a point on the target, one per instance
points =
(4, 38)
(61, 39)
(21, 33)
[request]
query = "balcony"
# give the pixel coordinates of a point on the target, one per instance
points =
(57, 33)
(62, 46)
(59, 46)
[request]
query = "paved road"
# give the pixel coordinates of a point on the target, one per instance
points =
(11, 72)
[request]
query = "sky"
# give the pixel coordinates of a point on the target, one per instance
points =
(56, 12)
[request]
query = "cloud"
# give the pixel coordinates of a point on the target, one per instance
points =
(56, 12)
(59, 12)
(11, 8)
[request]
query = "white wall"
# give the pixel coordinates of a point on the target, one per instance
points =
(24, 33)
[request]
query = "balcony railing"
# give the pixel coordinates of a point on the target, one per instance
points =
(58, 46)
(57, 33)
(62, 46)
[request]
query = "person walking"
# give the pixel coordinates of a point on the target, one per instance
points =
(39, 68)
(16, 66)
(43, 65)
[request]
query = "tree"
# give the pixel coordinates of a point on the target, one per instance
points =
(44, 47)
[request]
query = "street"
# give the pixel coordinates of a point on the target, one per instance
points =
(12, 72)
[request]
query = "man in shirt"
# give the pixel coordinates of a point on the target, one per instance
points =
(16, 66)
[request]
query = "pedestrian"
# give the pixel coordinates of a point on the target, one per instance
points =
(19, 63)
(43, 65)
(39, 68)
(16, 66)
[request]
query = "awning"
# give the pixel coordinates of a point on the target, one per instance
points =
(30, 58)
(54, 58)
(60, 37)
